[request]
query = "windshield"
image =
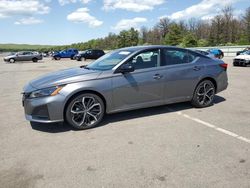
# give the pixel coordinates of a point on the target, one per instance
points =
(110, 60)
(247, 53)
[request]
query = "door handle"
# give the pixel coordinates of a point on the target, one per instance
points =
(196, 68)
(157, 76)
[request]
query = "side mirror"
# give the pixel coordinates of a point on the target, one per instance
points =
(125, 68)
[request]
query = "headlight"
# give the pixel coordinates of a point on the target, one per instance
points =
(51, 91)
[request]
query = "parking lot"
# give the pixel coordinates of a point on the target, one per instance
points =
(168, 146)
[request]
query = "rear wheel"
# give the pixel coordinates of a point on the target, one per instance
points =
(35, 59)
(85, 111)
(204, 94)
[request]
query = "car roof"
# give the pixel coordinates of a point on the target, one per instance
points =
(137, 48)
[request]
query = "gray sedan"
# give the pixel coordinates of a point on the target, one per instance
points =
(122, 80)
(23, 56)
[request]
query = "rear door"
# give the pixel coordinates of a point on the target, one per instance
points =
(28, 56)
(182, 71)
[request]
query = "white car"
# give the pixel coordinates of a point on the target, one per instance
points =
(242, 60)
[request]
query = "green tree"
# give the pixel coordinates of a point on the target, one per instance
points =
(246, 21)
(174, 36)
(128, 38)
(189, 40)
(203, 42)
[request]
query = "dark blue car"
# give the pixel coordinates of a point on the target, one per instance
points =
(68, 53)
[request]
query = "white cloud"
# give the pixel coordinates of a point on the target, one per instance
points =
(22, 7)
(128, 23)
(132, 5)
(28, 21)
(206, 9)
(64, 2)
(82, 15)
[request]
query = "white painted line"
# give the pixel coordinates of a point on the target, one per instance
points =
(229, 133)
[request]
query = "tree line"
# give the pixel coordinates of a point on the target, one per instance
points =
(223, 30)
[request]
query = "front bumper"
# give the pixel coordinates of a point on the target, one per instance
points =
(45, 109)
(241, 62)
(32, 119)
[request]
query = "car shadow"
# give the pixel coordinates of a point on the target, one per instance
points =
(112, 118)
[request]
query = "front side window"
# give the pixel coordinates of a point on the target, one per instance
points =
(146, 59)
(176, 57)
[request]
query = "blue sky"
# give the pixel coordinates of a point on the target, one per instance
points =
(70, 21)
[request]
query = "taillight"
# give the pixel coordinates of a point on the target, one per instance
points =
(224, 65)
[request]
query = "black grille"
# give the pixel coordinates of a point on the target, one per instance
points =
(239, 61)
(26, 95)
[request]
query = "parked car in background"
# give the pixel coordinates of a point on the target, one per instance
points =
(90, 54)
(122, 80)
(205, 53)
(241, 52)
(45, 54)
(242, 59)
(78, 55)
(23, 56)
(68, 53)
(216, 52)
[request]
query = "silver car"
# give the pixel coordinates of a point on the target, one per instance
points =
(23, 56)
(122, 80)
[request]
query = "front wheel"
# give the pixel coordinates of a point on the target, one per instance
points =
(12, 60)
(85, 111)
(204, 94)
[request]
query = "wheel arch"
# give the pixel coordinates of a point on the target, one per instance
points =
(210, 79)
(82, 92)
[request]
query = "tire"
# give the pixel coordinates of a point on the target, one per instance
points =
(85, 116)
(34, 59)
(203, 94)
(72, 57)
(12, 60)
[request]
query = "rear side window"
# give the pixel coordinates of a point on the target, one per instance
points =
(176, 57)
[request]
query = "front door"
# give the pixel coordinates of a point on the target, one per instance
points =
(141, 88)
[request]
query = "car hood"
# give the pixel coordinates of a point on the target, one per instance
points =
(243, 56)
(63, 77)
(9, 56)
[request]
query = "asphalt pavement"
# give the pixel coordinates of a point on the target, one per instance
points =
(167, 146)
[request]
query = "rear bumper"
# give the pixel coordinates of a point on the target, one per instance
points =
(222, 82)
